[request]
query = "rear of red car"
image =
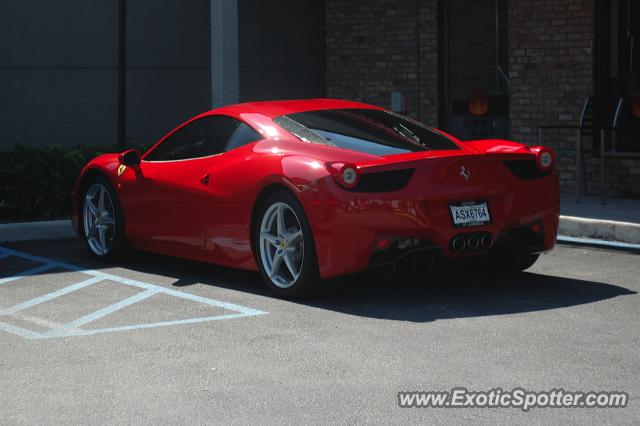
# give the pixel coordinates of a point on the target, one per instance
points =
(452, 199)
(432, 205)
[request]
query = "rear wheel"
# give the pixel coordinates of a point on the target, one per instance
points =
(525, 261)
(510, 260)
(102, 219)
(284, 245)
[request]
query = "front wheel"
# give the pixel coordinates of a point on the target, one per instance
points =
(284, 245)
(102, 219)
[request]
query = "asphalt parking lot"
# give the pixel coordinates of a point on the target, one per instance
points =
(160, 340)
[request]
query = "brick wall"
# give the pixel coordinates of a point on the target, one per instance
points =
(374, 48)
(372, 51)
(550, 63)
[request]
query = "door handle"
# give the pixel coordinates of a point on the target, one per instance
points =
(205, 179)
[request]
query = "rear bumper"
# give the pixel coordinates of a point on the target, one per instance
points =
(347, 226)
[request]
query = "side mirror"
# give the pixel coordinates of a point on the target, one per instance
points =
(130, 157)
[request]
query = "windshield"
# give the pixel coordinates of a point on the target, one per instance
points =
(369, 131)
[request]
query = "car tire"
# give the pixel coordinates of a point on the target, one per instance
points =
(102, 220)
(525, 261)
(510, 260)
(284, 247)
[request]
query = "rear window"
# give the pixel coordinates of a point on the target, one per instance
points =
(369, 131)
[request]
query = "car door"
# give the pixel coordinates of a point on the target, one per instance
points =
(166, 198)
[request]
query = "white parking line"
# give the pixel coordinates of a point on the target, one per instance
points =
(72, 328)
(76, 324)
(23, 332)
(33, 271)
(33, 319)
(159, 324)
(37, 300)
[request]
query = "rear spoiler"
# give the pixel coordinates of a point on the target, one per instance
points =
(409, 161)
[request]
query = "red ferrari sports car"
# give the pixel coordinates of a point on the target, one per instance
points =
(311, 189)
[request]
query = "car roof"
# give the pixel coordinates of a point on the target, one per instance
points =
(274, 109)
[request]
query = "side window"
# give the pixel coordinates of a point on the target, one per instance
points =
(201, 138)
(175, 147)
(242, 136)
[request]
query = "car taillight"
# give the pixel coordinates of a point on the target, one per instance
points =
(345, 174)
(545, 158)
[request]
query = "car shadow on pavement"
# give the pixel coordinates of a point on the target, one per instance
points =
(459, 295)
(449, 293)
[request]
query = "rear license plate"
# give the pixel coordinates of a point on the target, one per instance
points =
(470, 213)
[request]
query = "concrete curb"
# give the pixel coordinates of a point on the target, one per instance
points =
(45, 230)
(570, 226)
(609, 230)
(616, 245)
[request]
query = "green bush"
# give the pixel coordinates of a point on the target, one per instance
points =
(35, 182)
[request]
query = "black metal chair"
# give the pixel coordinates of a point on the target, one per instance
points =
(583, 128)
(617, 127)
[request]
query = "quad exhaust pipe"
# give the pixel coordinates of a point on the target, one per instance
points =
(458, 243)
(471, 242)
(487, 240)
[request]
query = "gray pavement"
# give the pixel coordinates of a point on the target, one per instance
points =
(208, 345)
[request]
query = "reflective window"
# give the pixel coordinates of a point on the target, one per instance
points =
(370, 131)
(206, 136)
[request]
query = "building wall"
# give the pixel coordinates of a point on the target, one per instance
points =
(281, 49)
(372, 51)
(58, 72)
(168, 65)
(471, 37)
(550, 62)
(378, 47)
(58, 69)
(475, 39)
